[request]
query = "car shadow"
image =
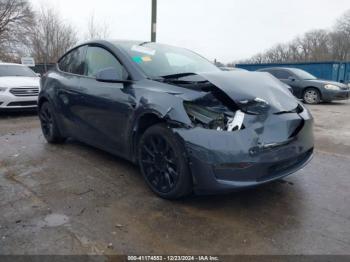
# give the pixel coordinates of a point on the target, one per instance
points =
(275, 205)
(245, 197)
(276, 200)
(239, 198)
(337, 103)
(100, 154)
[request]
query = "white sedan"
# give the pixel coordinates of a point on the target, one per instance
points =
(19, 87)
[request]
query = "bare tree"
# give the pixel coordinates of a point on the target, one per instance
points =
(95, 30)
(341, 38)
(52, 36)
(16, 21)
(315, 45)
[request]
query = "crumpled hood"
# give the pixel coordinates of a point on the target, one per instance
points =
(243, 86)
(19, 81)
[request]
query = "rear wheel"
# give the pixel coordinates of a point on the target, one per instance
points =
(48, 124)
(312, 96)
(163, 163)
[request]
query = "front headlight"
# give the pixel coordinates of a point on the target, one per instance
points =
(205, 116)
(255, 106)
(3, 89)
(332, 87)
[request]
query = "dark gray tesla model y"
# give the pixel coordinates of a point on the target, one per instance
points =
(187, 124)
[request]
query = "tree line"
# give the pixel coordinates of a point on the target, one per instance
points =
(313, 46)
(42, 34)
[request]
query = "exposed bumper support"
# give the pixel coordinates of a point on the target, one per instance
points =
(222, 161)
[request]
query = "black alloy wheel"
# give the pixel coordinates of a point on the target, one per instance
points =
(163, 163)
(48, 124)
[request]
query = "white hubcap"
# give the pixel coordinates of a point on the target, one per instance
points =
(311, 97)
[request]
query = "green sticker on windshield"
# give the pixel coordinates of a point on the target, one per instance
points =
(137, 59)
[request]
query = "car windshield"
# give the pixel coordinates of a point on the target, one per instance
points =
(158, 60)
(303, 74)
(14, 70)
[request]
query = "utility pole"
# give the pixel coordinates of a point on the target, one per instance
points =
(154, 21)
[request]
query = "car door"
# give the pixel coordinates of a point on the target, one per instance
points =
(105, 108)
(71, 68)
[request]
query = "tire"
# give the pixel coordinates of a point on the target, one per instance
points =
(163, 163)
(311, 96)
(49, 125)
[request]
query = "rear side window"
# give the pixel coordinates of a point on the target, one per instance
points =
(98, 58)
(73, 62)
(280, 74)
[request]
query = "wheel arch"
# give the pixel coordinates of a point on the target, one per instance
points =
(41, 101)
(143, 122)
(46, 98)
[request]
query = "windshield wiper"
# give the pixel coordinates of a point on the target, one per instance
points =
(177, 76)
(176, 79)
(144, 43)
(156, 78)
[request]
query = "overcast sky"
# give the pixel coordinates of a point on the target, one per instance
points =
(224, 29)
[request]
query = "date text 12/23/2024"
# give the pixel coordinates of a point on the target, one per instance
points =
(173, 258)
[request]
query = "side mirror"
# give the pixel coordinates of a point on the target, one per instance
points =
(110, 75)
(291, 78)
(38, 74)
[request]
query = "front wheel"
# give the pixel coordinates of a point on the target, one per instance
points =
(312, 96)
(163, 163)
(49, 125)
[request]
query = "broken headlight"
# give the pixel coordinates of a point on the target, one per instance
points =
(215, 117)
(255, 106)
(204, 116)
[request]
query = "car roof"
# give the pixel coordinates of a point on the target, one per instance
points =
(11, 64)
(119, 43)
(116, 42)
(275, 68)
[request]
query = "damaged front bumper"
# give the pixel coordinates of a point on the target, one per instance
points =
(269, 149)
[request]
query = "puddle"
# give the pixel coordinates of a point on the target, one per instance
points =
(55, 220)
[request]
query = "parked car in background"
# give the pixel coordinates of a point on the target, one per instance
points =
(19, 87)
(327, 70)
(307, 87)
(187, 124)
(235, 69)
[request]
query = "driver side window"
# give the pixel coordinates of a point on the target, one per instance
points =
(98, 58)
(281, 74)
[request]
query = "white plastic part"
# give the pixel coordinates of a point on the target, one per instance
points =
(236, 123)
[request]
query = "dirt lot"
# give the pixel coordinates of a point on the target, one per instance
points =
(74, 199)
